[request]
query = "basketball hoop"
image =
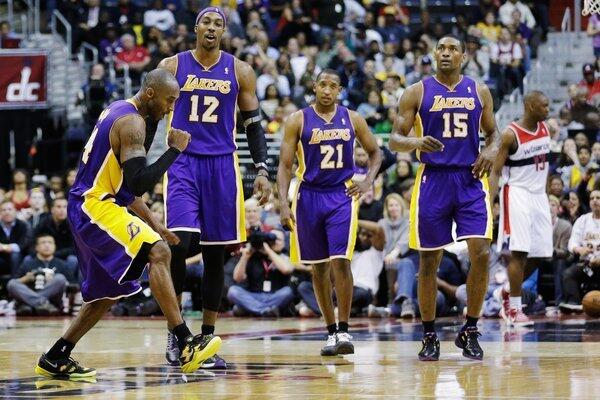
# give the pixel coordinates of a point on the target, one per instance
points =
(590, 7)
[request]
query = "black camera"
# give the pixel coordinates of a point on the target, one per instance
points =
(257, 238)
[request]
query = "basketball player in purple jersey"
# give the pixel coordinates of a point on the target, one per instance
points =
(203, 188)
(114, 246)
(324, 214)
(447, 112)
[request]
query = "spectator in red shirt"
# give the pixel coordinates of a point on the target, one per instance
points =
(590, 82)
(136, 57)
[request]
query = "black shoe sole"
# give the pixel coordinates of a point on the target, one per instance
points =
(344, 348)
(458, 344)
(429, 358)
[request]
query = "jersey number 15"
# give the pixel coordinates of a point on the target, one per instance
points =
(455, 125)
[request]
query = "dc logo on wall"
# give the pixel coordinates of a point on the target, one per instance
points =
(132, 230)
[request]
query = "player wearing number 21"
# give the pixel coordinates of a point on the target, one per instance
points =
(324, 214)
(204, 199)
(447, 112)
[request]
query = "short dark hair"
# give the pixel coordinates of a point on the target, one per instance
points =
(43, 233)
(584, 147)
(329, 71)
(463, 47)
(53, 201)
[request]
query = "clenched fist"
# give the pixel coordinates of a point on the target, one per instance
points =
(178, 139)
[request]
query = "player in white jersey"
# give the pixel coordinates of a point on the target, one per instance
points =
(525, 222)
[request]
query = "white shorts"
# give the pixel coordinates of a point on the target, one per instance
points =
(525, 222)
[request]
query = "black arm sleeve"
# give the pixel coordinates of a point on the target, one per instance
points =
(141, 178)
(389, 159)
(256, 138)
(151, 126)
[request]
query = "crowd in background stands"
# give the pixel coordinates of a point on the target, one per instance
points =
(378, 52)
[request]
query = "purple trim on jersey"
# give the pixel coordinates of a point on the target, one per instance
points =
(453, 117)
(206, 106)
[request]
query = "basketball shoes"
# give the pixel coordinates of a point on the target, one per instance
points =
(172, 352)
(62, 368)
(468, 341)
(513, 316)
(198, 349)
(344, 344)
(431, 348)
(329, 349)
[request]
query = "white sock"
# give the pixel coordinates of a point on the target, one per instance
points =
(515, 302)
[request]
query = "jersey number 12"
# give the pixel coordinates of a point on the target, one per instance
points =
(209, 114)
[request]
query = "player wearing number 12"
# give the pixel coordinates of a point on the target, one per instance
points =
(324, 214)
(448, 111)
(204, 199)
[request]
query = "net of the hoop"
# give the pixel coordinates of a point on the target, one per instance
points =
(591, 7)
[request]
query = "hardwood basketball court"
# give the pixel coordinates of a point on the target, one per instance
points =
(559, 359)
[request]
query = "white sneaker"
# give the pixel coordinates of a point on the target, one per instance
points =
(329, 349)
(344, 344)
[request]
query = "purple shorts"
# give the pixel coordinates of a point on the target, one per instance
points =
(326, 223)
(442, 196)
(108, 240)
(205, 194)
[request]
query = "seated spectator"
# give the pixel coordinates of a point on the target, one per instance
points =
(422, 70)
(556, 186)
(41, 282)
(264, 271)
(506, 57)
(395, 226)
(135, 57)
(160, 17)
(97, 93)
(8, 39)
(573, 175)
(369, 208)
(506, 11)
(584, 274)
(372, 110)
(271, 102)
(110, 44)
(573, 208)
(253, 217)
(477, 62)
(15, 237)
(56, 188)
(590, 82)
(37, 210)
(561, 233)
(367, 263)
(387, 124)
(19, 194)
(270, 76)
(56, 224)
(581, 110)
(490, 28)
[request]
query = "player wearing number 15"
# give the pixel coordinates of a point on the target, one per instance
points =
(204, 199)
(325, 207)
(448, 111)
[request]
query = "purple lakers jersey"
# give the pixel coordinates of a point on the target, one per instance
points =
(100, 174)
(206, 107)
(452, 117)
(326, 149)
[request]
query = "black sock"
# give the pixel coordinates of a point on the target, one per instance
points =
(332, 329)
(181, 332)
(429, 326)
(343, 326)
(61, 349)
(208, 329)
(471, 323)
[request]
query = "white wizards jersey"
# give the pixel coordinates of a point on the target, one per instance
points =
(528, 166)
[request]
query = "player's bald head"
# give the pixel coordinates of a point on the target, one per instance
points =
(159, 79)
(533, 96)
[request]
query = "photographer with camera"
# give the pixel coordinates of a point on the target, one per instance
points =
(264, 271)
(42, 280)
(97, 93)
